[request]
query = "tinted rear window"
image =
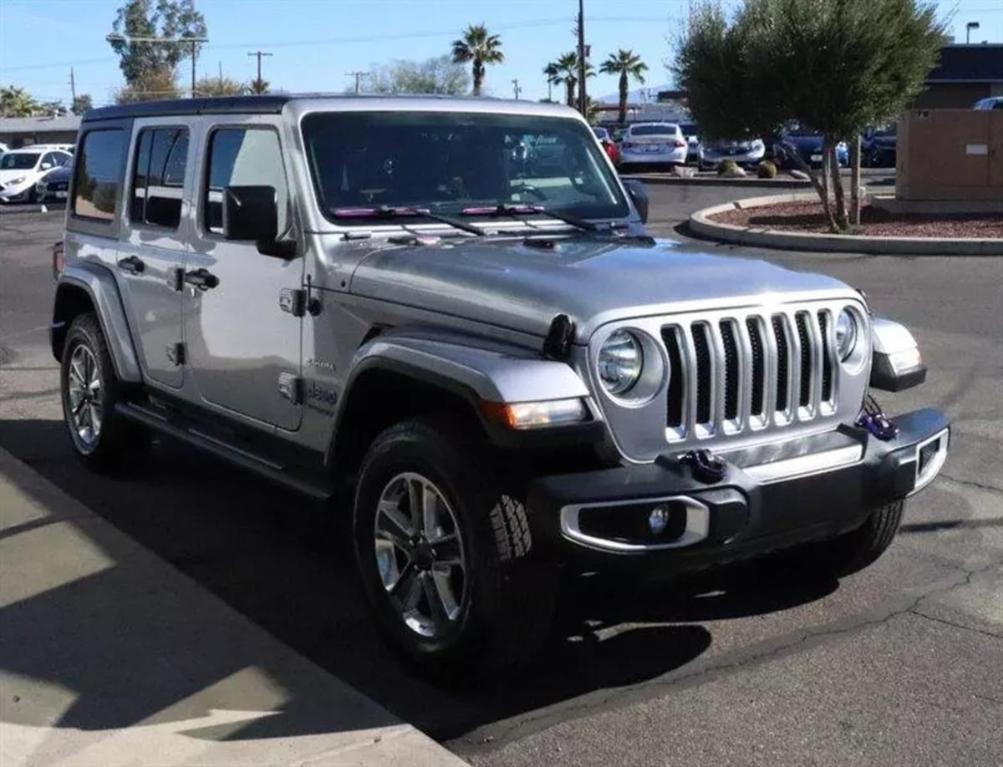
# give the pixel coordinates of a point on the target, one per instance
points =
(159, 178)
(99, 169)
(653, 130)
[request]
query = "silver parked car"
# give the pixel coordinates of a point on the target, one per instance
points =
(745, 153)
(486, 362)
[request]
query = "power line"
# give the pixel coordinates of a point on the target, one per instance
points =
(259, 54)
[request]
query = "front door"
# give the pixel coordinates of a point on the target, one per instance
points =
(242, 349)
(153, 250)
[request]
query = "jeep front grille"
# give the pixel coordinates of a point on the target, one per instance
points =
(733, 375)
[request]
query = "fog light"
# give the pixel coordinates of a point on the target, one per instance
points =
(658, 519)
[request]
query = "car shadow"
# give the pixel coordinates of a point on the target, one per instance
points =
(285, 563)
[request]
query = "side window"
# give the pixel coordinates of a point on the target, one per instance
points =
(243, 157)
(159, 177)
(97, 181)
(51, 159)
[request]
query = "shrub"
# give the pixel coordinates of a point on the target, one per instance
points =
(766, 169)
(727, 168)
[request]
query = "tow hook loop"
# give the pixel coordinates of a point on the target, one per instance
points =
(873, 418)
(707, 467)
(557, 344)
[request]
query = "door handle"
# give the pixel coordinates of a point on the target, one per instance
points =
(132, 264)
(202, 279)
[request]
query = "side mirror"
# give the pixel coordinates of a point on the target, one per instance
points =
(45, 166)
(639, 196)
(252, 213)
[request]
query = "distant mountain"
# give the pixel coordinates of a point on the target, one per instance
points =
(647, 93)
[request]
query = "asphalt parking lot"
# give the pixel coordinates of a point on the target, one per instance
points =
(899, 664)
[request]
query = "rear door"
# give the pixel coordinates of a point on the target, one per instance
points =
(152, 250)
(243, 349)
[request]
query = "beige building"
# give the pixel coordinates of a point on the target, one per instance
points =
(17, 132)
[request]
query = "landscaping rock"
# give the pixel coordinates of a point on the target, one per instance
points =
(733, 171)
(800, 175)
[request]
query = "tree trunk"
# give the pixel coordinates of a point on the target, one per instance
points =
(855, 181)
(837, 186)
(826, 204)
(569, 84)
(623, 98)
(478, 77)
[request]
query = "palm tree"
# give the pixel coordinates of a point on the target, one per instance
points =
(16, 102)
(565, 70)
(627, 64)
(479, 47)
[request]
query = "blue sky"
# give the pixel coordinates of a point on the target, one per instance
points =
(315, 42)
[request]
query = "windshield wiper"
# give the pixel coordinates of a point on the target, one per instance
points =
(390, 212)
(519, 211)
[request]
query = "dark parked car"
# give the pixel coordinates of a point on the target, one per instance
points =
(806, 142)
(54, 184)
(877, 147)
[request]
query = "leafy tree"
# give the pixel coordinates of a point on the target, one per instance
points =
(16, 102)
(480, 48)
(152, 86)
(626, 64)
(564, 71)
(82, 103)
(259, 86)
(439, 74)
(51, 108)
(837, 65)
(155, 18)
(220, 86)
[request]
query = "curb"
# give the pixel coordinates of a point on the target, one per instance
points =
(701, 223)
(755, 183)
(151, 667)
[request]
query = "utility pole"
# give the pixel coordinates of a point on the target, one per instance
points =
(195, 48)
(582, 97)
(516, 89)
(73, 90)
(259, 54)
(358, 79)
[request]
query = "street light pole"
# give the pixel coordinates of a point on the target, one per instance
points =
(968, 31)
(582, 97)
(115, 37)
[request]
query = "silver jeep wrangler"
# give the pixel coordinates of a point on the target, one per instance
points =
(446, 316)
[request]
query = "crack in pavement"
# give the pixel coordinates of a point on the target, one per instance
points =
(476, 742)
(972, 483)
(946, 622)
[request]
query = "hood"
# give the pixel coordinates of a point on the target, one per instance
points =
(6, 176)
(56, 175)
(592, 279)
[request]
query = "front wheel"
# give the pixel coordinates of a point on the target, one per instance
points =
(443, 552)
(853, 551)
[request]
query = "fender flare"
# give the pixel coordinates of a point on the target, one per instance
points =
(476, 371)
(98, 283)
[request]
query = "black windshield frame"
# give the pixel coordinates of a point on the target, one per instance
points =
(314, 124)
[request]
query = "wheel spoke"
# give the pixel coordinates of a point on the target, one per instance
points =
(429, 512)
(447, 550)
(405, 578)
(75, 373)
(95, 417)
(412, 590)
(414, 494)
(391, 511)
(444, 588)
(384, 531)
(439, 613)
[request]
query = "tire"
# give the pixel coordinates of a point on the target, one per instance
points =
(497, 604)
(113, 443)
(853, 551)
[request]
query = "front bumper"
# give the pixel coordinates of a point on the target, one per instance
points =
(771, 497)
(16, 194)
(746, 159)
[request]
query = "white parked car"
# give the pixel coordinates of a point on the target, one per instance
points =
(745, 153)
(21, 169)
(993, 102)
(653, 144)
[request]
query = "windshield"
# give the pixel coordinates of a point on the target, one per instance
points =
(18, 161)
(653, 130)
(447, 162)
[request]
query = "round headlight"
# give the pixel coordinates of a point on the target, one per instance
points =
(846, 334)
(620, 361)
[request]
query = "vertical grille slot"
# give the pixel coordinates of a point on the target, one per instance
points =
(823, 322)
(731, 373)
(758, 406)
(676, 377)
(701, 347)
(804, 336)
(780, 335)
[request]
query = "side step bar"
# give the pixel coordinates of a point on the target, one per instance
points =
(284, 475)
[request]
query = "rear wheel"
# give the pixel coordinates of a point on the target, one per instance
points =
(443, 551)
(102, 439)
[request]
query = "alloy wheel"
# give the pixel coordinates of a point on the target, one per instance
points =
(84, 394)
(419, 555)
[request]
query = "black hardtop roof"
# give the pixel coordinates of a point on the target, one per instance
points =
(266, 104)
